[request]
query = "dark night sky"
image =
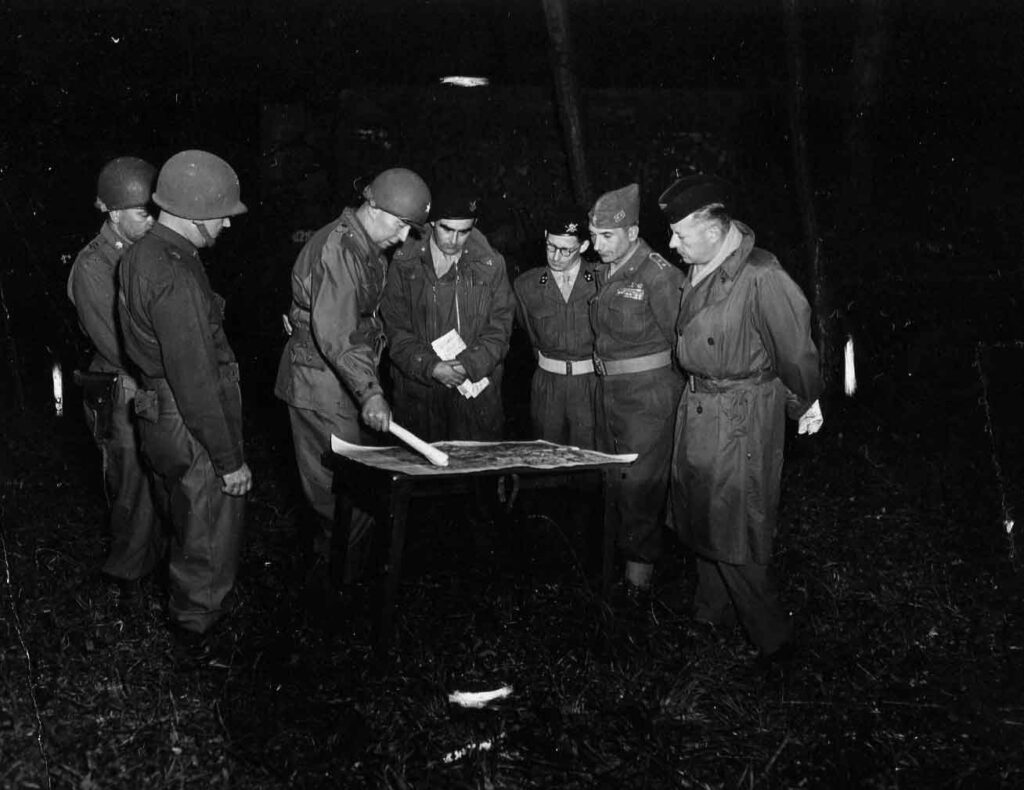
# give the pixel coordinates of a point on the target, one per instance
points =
(86, 79)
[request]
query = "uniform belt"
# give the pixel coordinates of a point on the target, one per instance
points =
(565, 367)
(703, 384)
(615, 367)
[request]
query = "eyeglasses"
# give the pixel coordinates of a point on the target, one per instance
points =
(561, 252)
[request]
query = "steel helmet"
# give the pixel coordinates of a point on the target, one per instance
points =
(125, 182)
(400, 192)
(198, 185)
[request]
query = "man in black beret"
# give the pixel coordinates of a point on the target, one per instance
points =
(553, 309)
(448, 310)
(743, 338)
(633, 315)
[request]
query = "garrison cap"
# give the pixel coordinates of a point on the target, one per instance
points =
(455, 202)
(690, 193)
(567, 220)
(619, 208)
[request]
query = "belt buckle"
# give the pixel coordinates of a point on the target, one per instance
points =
(568, 367)
(599, 366)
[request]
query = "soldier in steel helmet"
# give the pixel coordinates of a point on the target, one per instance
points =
(328, 374)
(136, 539)
(189, 404)
(634, 317)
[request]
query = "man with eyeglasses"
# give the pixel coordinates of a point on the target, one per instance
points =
(328, 373)
(448, 310)
(553, 308)
(634, 316)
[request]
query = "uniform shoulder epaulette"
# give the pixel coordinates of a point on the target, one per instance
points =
(759, 257)
(658, 260)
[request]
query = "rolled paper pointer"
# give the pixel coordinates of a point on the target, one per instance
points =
(435, 456)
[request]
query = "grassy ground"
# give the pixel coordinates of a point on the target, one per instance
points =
(891, 555)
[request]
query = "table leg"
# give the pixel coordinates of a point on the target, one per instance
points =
(608, 553)
(391, 532)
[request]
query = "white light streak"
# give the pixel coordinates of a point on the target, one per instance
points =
(58, 389)
(478, 699)
(466, 82)
(849, 371)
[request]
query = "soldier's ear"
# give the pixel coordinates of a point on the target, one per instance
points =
(584, 246)
(633, 233)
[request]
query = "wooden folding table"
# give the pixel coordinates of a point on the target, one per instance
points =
(388, 479)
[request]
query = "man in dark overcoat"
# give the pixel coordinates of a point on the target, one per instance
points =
(744, 339)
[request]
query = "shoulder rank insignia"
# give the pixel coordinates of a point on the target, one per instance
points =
(659, 261)
(588, 276)
(543, 278)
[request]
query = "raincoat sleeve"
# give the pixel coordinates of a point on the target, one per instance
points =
(784, 321)
(334, 320)
(522, 313)
(180, 315)
(410, 353)
(491, 343)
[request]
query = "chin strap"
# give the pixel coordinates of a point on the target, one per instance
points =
(203, 232)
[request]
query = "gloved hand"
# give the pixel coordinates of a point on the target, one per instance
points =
(811, 420)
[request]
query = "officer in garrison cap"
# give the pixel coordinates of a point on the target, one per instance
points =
(633, 316)
(744, 340)
(553, 307)
(448, 310)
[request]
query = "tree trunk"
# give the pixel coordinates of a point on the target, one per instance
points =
(805, 194)
(11, 350)
(568, 98)
(866, 78)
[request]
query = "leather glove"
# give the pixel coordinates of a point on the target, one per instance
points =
(811, 420)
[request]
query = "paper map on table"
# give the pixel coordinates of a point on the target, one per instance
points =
(478, 457)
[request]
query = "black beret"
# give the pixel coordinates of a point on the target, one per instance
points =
(567, 220)
(691, 193)
(454, 202)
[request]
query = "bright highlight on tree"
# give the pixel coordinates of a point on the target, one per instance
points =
(849, 373)
(58, 389)
(466, 82)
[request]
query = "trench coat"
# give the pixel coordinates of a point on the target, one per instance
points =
(743, 336)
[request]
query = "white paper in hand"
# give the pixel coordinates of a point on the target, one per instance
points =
(448, 347)
(811, 420)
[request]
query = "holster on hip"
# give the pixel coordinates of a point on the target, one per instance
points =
(98, 393)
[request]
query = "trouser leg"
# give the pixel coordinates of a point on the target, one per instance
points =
(711, 601)
(205, 552)
(311, 437)
(754, 595)
(137, 539)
